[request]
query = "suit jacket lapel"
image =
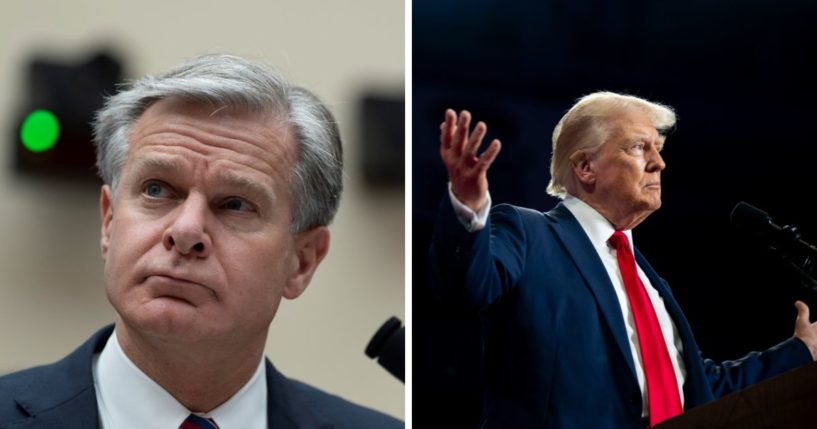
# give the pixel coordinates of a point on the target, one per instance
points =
(64, 395)
(587, 261)
(287, 408)
(696, 386)
(670, 304)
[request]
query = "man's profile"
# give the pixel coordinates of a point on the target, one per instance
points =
(220, 181)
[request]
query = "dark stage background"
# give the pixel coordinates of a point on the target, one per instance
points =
(741, 77)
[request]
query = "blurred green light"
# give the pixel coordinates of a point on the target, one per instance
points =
(40, 131)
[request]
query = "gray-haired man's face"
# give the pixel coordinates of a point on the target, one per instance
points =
(197, 243)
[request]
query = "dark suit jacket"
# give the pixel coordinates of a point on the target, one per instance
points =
(62, 395)
(556, 352)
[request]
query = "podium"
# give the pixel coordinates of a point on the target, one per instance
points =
(788, 401)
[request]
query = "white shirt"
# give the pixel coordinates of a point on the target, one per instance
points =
(128, 398)
(599, 230)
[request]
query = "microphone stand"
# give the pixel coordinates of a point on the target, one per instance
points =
(802, 262)
(785, 241)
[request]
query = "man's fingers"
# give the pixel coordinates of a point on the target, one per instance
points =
(450, 116)
(462, 131)
(488, 157)
(804, 330)
(802, 312)
(476, 138)
(447, 129)
(459, 148)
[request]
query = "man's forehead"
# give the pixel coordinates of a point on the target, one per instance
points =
(276, 123)
(174, 131)
(269, 132)
(154, 161)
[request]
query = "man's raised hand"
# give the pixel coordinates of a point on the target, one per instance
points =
(458, 150)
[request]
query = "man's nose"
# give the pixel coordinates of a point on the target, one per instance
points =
(655, 162)
(188, 233)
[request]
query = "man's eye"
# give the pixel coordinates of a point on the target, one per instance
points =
(154, 189)
(237, 204)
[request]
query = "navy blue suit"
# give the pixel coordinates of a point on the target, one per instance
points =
(556, 351)
(62, 395)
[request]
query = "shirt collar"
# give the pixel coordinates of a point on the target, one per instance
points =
(596, 226)
(132, 399)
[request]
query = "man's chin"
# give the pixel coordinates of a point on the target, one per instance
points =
(170, 318)
(653, 200)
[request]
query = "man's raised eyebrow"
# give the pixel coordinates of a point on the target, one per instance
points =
(642, 137)
(233, 179)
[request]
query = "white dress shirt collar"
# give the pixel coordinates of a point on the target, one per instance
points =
(128, 398)
(597, 227)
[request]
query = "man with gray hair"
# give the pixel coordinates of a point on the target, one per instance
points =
(580, 332)
(219, 182)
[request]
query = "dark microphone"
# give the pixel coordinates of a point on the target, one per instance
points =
(785, 240)
(388, 345)
(747, 216)
(757, 222)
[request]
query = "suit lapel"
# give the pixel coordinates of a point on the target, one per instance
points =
(78, 412)
(589, 265)
(669, 302)
(696, 386)
(287, 408)
(63, 395)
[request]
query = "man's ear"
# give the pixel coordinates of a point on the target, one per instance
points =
(310, 248)
(106, 214)
(583, 168)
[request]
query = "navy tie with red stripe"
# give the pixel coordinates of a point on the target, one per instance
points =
(195, 422)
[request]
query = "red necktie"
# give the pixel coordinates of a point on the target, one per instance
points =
(195, 422)
(662, 386)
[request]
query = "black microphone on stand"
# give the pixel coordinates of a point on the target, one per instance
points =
(786, 240)
(388, 345)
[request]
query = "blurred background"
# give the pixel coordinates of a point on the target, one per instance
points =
(739, 74)
(59, 57)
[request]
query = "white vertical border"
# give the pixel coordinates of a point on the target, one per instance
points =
(408, 209)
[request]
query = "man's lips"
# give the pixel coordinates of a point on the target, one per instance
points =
(178, 287)
(172, 278)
